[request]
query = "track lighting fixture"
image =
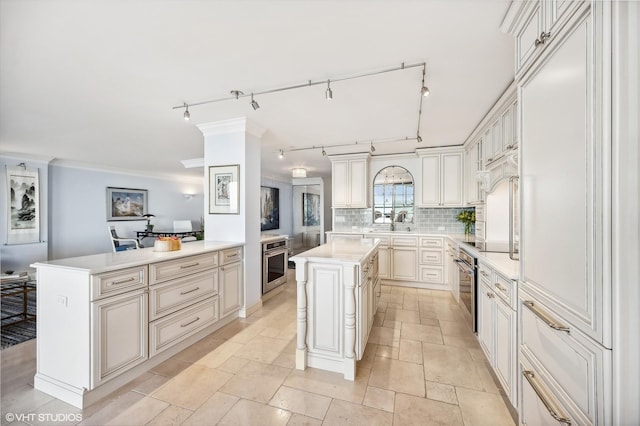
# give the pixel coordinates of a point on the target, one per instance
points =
(425, 90)
(237, 93)
(373, 148)
(281, 155)
(419, 138)
(254, 103)
(187, 114)
(324, 153)
(329, 92)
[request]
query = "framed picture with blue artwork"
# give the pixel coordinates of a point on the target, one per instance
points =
(269, 208)
(310, 209)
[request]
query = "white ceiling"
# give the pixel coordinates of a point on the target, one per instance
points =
(94, 82)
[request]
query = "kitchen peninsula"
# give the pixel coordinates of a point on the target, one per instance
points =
(338, 294)
(104, 319)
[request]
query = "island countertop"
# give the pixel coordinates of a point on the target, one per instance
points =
(343, 251)
(105, 262)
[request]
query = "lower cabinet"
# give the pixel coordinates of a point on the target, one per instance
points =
(497, 325)
(120, 327)
(230, 288)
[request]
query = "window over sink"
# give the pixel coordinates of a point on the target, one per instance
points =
(393, 196)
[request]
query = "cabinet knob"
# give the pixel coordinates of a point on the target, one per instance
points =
(490, 295)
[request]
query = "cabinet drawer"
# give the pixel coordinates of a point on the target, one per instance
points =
(505, 289)
(112, 283)
(164, 271)
(572, 360)
(165, 332)
(404, 241)
(430, 242)
(485, 273)
(172, 295)
(480, 230)
(431, 257)
(230, 255)
(538, 401)
(433, 275)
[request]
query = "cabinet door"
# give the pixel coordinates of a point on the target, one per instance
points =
(120, 328)
(563, 186)
(230, 288)
(340, 183)
(404, 263)
(430, 182)
(530, 29)
(485, 319)
(384, 262)
(505, 348)
(451, 180)
(358, 183)
(507, 130)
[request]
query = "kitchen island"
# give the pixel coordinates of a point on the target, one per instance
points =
(338, 294)
(106, 318)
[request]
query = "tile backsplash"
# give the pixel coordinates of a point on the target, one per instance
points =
(426, 220)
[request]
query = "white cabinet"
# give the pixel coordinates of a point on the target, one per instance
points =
(497, 325)
(563, 185)
(337, 300)
(432, 261)
(441, 177)
(536, 25)
(120, 326)
(501, 138)
(404, 263)
(452, 275)
(473, 164)
(231, 288)
(350, 177)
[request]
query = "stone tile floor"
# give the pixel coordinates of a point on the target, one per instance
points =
(422, 366)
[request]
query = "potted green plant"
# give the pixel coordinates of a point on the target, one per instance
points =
(148, 216)
(468, 217)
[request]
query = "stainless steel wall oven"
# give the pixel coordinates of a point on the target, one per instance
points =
(275, 258)
(468, 284)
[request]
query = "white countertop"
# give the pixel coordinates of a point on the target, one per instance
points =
(104, 262)
(340, 252)
(267, 238)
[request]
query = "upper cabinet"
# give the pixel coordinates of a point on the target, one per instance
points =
(441, 177)
(350, 177)
(535, 25)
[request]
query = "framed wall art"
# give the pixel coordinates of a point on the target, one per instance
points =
(23, 205)
(269, 208)
(224, 189)
(126, 204)
(310, 209)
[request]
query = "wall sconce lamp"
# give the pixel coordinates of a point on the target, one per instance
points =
(187, 196)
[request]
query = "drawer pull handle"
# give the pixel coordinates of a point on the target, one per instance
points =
(190, 322)
(545, 317)
(499, 287)
(128, 280)
(530, 376)
(191, 265)
(182, 293)
(232, 255)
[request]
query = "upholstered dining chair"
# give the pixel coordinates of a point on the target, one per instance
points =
(122, 244)
(184, 226)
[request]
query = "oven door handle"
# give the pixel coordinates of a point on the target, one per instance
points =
(462, 265)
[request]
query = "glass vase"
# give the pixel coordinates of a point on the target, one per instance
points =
(467, 228)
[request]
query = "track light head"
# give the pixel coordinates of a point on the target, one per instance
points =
(324, 153)
(425, 91)
(187, 114)
(254, 103)
(373, 148)
(329, 92)
(419, 138)
(281, 155)
(237, 93)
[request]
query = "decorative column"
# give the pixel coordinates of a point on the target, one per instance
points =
(350, 283)
(301, 346)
